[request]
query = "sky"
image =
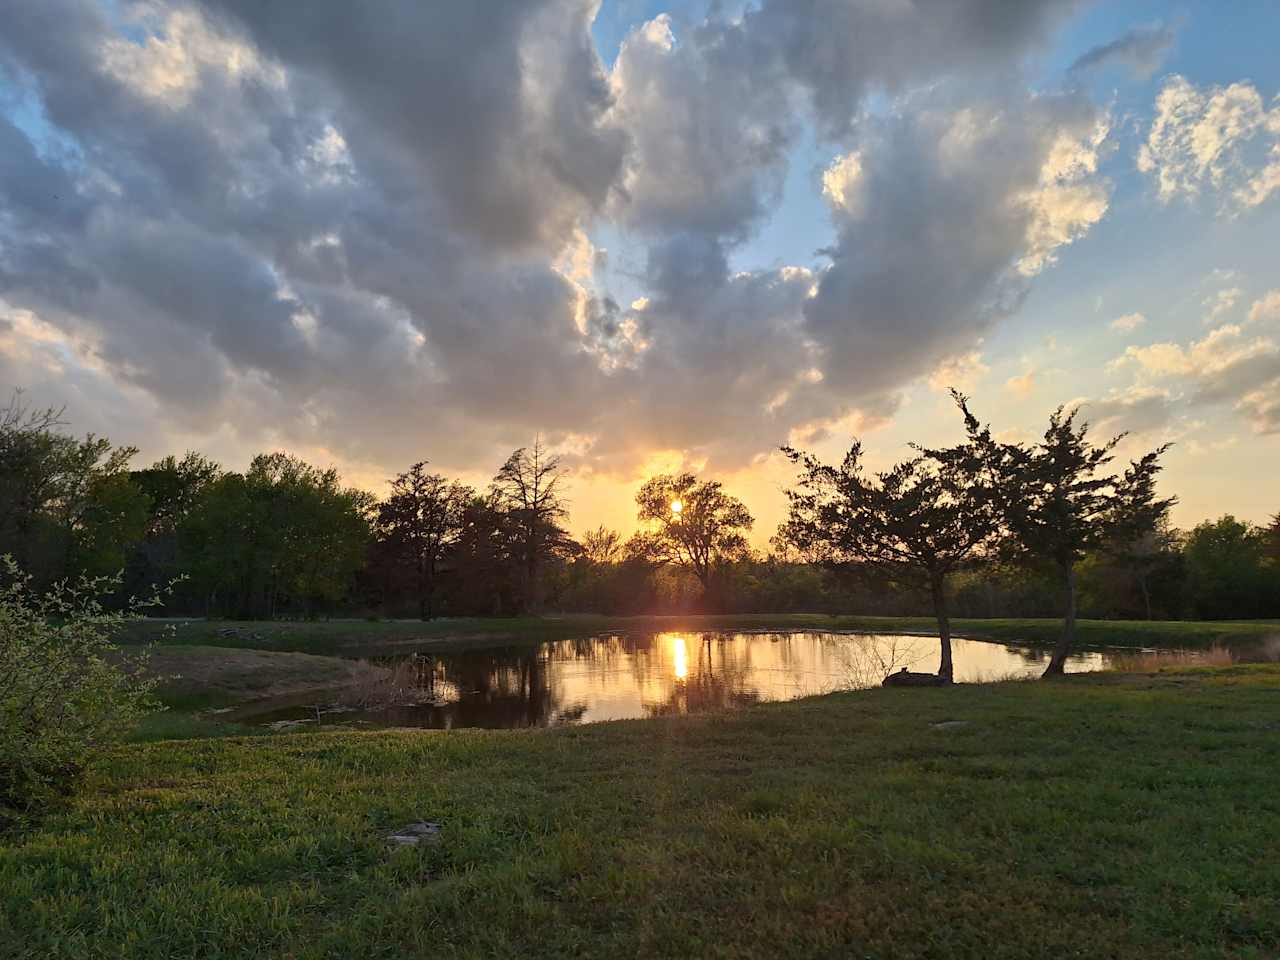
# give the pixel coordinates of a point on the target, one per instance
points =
(659, 236)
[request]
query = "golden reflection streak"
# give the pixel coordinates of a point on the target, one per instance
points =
(680, 657)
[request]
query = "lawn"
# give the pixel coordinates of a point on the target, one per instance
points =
(1099, 816)
(355, 637)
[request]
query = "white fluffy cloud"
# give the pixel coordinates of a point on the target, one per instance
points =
(1222, 139)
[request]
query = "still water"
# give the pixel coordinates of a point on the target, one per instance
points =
(615, 677)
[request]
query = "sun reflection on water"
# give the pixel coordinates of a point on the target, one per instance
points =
(679, 657)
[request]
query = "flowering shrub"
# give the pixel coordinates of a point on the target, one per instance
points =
(66, 690)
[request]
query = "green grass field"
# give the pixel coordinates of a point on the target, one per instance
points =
(1104, 815)
(352, 637)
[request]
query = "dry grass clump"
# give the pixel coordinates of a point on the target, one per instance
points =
(1153, 661)
(405, 682)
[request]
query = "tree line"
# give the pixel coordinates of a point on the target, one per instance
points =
(983, 528)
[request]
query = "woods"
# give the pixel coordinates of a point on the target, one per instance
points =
(983, 528)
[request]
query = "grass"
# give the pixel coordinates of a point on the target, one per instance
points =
(363, 636)
(1153, 661)
(1104, 815)
(195, 677)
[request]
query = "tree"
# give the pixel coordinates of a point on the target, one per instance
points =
(1057, 501)
(527, 488)
(31, 454)
(419, 522)
(67, 506)
(1139, 536)
(694, 524)
(282, 533)
(1273, 541)
(915, 523)
(174, 487)
(602, 546)
(1227, 573)
(484, 557)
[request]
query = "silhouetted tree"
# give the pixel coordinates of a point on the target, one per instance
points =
(602, 546)
(1057, 501)
(527, 489)
(1139, 537)
(484, 558)
(694, 524)
(419, 522)
(915, 523)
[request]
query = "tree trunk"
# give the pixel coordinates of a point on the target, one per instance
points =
(1059, 659)
(945, 669)
(424, 607)
(1146, 593)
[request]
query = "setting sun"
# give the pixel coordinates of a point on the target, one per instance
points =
(676, 507)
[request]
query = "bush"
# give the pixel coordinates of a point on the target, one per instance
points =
(65, 689)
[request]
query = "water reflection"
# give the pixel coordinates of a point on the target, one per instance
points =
(615, 676)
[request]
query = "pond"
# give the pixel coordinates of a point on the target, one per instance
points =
(616, 677)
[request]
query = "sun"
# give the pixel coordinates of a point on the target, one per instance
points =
(676, 507)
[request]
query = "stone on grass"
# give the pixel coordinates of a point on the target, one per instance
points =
(423, 831)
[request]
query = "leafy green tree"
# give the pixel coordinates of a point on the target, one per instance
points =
(174, 488)
(1228, 577)
(31, 455)
(693, 524)
(67, 506)
(1273, 540)
(419, 523)
(527, 488)
(283, 534)
(914, 524)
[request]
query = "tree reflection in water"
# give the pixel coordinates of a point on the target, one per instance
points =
(619, 676)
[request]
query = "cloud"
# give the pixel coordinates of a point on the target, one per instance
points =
(1229, 365)
(1266, 309)
(377, 236)
(977, 197)
(961, 372)
(1128, 323)
(1141, 50)
(1022, 385)
(1135, 411)
(1223, 139)
(1218, 304)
